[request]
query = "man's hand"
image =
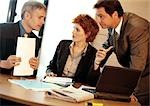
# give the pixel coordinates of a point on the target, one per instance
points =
(101, 54)
(34, 63)
(12, 61)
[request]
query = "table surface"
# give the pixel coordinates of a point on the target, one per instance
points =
(19, 94)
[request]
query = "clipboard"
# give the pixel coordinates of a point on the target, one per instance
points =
(25, 50)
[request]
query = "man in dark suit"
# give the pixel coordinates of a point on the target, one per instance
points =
(33, 15)
(129, 36)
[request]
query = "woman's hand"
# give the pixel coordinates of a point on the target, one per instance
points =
(133, 98)
(51, 74)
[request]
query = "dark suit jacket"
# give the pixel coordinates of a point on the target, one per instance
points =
(133, 48)
(8, 42)
(85, 72)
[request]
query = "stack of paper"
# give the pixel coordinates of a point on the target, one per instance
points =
(70, 94)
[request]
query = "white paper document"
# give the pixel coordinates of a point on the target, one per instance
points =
(63, 81)
(25, 50)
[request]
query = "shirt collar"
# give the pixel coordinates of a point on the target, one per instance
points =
(118, 28)
(71, 47)
(22, 30)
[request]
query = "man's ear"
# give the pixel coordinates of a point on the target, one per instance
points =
(88, 34)
(27, 15)
(115, 14)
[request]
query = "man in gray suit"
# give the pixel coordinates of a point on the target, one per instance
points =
(129, 36)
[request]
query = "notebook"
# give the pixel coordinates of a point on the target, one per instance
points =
(116, 83)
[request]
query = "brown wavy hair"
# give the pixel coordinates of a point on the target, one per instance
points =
(89, 26)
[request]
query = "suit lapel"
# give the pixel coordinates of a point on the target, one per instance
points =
(63, 57)
(120, 48)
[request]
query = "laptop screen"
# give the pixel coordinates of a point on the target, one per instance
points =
(117, 80)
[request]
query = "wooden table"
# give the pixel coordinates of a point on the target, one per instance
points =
(21, 95)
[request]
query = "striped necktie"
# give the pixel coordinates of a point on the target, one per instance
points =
(115, 38)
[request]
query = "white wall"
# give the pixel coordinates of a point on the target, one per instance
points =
(4, 6)
(140, 7)
(59, 24)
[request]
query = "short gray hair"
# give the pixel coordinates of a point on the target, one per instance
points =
(31, 6)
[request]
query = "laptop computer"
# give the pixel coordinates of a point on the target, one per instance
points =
(116, 83)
